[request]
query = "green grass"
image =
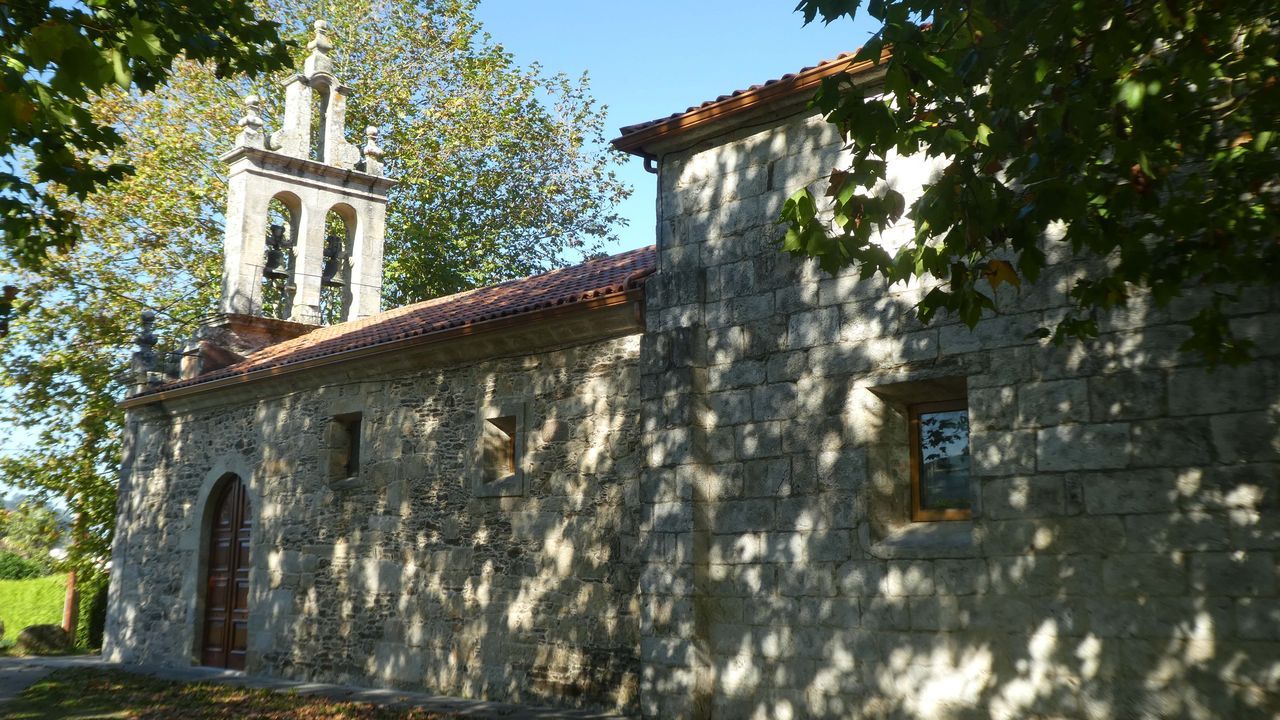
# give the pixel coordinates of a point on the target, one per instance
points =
(85, 693)
(35, 601)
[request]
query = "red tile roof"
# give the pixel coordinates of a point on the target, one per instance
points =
(634, 137)
(566, 286)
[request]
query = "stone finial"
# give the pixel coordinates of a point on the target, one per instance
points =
(319, 61)
(372, 151)
(320, 43)
(251, 124)
(146, 339)
(371, 144)
(143, 362)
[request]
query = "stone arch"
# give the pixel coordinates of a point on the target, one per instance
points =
(340, 231)
(282, 229)
(292, 205)
(195, 539)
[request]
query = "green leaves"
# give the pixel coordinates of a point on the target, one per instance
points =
(46, 43)
(801, 207)
(804, 236)
(1131, 93)
(58, 56)
(982, 135)
(506, 176)
(1147, 133)
(142, 40)
(28, 532)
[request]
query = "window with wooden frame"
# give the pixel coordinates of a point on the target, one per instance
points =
(940, 481)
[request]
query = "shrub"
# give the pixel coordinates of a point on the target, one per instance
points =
(93, 610)
(16, 567)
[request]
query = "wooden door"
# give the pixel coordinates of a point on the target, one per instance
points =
(226, 600)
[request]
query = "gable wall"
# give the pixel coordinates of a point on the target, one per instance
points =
(405, 578)
(1122, 561)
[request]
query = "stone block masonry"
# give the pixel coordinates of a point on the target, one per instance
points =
(404, 577)
(711, 519)
(1121, 560)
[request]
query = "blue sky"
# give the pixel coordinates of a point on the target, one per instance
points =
(651, 58)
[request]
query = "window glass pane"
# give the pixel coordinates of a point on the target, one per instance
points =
(944, 460)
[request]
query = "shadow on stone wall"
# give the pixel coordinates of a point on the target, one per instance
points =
(1121, 558)
(721, 543)
(417, 583)
(403, 577)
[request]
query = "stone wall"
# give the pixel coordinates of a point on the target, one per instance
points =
(404, 577)
(714, 520)
(1122, 557)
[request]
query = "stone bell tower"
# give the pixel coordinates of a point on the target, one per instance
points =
(319, 260)
(311, 169)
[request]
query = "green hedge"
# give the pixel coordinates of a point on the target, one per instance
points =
(37, 601)
(93, 610)
(16, 567)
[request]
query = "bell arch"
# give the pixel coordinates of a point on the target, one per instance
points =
(283, 223)
(336, 292)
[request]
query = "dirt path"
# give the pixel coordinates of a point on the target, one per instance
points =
(17, 674)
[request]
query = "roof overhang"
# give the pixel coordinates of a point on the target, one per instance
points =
(784, 96)
(603, 317)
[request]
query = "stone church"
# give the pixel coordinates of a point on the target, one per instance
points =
(695, 480)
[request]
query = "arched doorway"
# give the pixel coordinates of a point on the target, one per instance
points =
(226, 601)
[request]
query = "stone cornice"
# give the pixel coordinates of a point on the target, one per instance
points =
(269, 161)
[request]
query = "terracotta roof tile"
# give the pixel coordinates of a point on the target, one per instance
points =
(629, 129)
(591, 279)
(634, 138)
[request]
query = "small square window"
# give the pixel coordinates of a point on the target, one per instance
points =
(941, 487)
(497, 463)
(344, 446)
(499, 441)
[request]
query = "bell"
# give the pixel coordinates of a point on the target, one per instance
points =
(274, 267)
(329, 276)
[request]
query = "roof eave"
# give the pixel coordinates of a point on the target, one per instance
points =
(765, 98)
(634, 295)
